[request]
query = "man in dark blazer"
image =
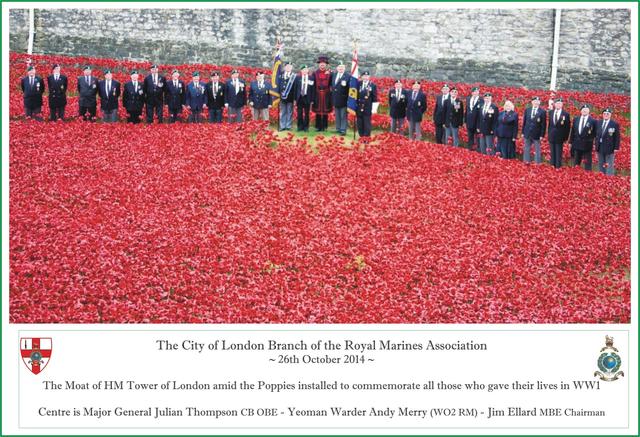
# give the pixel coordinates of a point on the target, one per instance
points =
(453, 118)
(196, 98)
(416, 106)
(87, 90)
(473, 105)
(235, 97)
(109, 91)
(339, 96)
(260, 97)
(534, 126)
(486, 123)
(133, 98)
(154, 85)
(32, 88)
(583, 132)
(175, 93)
(607, 142)
(57, 84)
(367, 96)
(215, 98)
(439, 111)
(558, 128)
(398, 98)
(286, 88)
(304, 92)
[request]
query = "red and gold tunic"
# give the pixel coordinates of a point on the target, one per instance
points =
(322, 82)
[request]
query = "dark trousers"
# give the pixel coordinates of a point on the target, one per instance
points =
(364, 125)
(56, 112)
(174, 114)
(439, 133)
(215, 115)
(134, 117)
(195, 116)
(322, 121)
(303, 115)
(88, 113)
(471, 139)
(578, 155)
(556, 154)
(154, 107)
(35, 113)
(507, 148)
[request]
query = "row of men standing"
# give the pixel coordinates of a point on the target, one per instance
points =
(152, 93)
(490, 130)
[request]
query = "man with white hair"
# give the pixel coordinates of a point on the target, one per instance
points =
(339, 96)
(558, 131)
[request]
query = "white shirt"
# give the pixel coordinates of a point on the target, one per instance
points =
(444, 97)
(304, 85)
(534, 110)
(108, 87)
(236, 85)
(583, 120)
(155, 79)
(473, 102)
(338, 78)
(55, 77)
(175, 83)
(556, 115)
(135, 85)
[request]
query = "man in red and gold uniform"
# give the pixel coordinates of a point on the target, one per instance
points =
(322, 100)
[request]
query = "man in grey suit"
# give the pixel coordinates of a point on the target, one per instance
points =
(87, 91)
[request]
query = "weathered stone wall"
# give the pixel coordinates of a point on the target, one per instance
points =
(493, 46)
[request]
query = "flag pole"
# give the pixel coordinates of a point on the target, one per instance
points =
(280, 102)
(355, 119)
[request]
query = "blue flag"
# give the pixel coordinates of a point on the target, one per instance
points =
(352, 101)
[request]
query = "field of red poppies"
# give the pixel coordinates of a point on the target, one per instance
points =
(115, 223)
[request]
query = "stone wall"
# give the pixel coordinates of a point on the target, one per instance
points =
(492, 46)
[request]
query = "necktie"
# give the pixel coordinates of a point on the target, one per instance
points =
(533, 113)
(557, 116)
(215, 88)
(135, 86)
(56, 77)
(415, 95)
(108, 87)
(338, 78)
(304, 86)
(604, 127)
(484, 110)
(443, 99)
(31, 82)
(87, 77)
(582, 120)
(155, 80)
(175, 84)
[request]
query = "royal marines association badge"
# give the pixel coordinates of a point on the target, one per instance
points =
(609, 362)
